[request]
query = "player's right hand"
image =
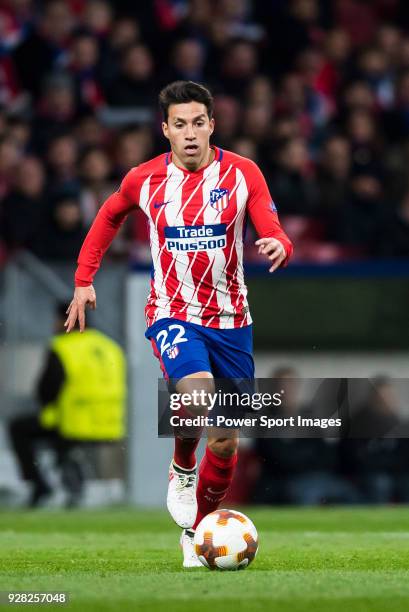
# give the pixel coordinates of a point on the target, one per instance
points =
(83, 297)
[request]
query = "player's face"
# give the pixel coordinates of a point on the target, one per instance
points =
(188, 130)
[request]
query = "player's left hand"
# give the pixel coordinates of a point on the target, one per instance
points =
(274, 250)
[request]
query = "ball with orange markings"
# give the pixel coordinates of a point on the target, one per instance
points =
(226, 540)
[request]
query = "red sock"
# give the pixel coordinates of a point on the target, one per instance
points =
(215, 476)
(184, 455)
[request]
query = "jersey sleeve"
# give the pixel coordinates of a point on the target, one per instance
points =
(106, 224)
(263, 211)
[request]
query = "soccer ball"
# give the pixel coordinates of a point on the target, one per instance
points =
(226, 540)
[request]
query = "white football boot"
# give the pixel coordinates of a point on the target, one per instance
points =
(181, 500)
(190, 558)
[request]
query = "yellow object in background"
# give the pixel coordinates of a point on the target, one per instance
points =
(91, 404)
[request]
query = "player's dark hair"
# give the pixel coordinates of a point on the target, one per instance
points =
(180, 92)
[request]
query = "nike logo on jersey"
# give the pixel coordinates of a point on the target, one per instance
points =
(159, 204)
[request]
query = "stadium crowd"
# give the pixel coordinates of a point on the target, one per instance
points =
(317, 93)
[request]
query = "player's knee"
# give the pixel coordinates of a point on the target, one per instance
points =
(223, 447)
(196, 391)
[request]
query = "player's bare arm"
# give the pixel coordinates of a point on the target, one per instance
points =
(274, 250)
(84, 297)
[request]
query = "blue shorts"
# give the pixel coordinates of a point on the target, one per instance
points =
(186, 348)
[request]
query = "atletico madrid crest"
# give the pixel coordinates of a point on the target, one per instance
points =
(172, 352)
(219, 199)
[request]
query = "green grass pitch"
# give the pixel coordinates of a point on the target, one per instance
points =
(312, 560)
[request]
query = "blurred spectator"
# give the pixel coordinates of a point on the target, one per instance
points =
(360, 222)
(358, 96)
(238, 67)
(19, 130)
(257, 122)
(10, 91)
(396, 120)
(134, 146)
(403, 54)
(359, 19)
(62, 157)
(89, 132)
(96, 187)
(15, 19)
(378, 414)
(284, 128)
(95, 170)
(3, 122)
(299, 470)
(187, 62)
(375, 462)
(74, 407)
(57, 109)
(364, 137)
(389, 39)
(292, 102)
(333, 175)
(227, 117)
(292, 186)
(260, 92)
(236, 17)
(45, 49)
(374, 68)
(292, 26)
(337, 50)
(97, 17)
(135, 85)
(10, 155)
(83, 65)
(124, 33)
(63, 230)
(320, 89)
(395, 235)
(22, 210)
(245, 147)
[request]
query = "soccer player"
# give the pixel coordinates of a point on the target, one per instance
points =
(197, 198)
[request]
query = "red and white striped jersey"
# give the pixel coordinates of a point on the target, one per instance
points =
(197, 221)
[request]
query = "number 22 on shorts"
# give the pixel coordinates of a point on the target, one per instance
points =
(162, 337)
